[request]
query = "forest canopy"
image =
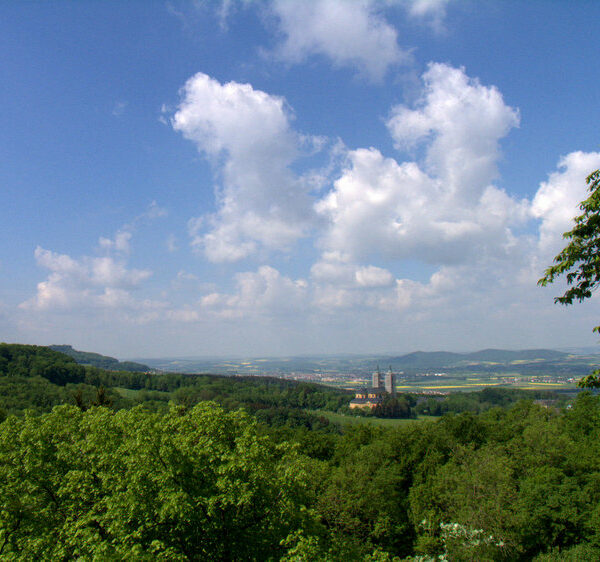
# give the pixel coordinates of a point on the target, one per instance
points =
(173, 475)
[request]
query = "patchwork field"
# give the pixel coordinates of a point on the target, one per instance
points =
(451, 383)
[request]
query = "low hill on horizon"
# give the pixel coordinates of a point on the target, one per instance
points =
(100, 361)
(486, 360)
(443, 359)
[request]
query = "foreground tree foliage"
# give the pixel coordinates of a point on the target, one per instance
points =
(100, 485)
(579, 260)
(206, 483)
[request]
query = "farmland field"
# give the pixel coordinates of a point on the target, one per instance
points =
(456, 383)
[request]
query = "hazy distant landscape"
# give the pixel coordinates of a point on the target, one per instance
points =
(418, 371)
(422, 372)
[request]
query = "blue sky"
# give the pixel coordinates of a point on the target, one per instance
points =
(286, 177)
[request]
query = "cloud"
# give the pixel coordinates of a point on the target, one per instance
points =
(422, 8)
(557, 200)
(491, 287)
(372, 276)
(333, 269)
(340, 285)
(462, 121)
(444, 210)
(247, 135)
(265, 291)
(350, 34)
(379, 208)
(153, 211)
(353, 35)
(88, 282)
(422, 238)
(121, 242)
(424, 244)
(431, 11)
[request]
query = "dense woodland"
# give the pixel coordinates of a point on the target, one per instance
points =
(101, 465)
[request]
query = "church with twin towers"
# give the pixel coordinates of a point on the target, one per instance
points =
(373, 395)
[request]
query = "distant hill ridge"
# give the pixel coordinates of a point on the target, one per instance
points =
(486, 360)
(441, 359)
(100, 361)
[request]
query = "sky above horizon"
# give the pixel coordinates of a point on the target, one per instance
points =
(280, 177)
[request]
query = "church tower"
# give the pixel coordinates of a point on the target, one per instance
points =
(377, 378)
(390, 382)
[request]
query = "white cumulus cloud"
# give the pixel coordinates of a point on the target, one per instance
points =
(264, 291)
(557, 200)
(443, 211)
(462, 122)
(372, 276)
(87, 282)
(247, 134)
(350, 34)
(442, 208)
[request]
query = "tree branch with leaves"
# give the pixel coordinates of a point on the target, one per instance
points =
(579, 260)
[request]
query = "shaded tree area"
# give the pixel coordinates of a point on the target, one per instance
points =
(258, 393)
(36, 361)
(399, 407)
